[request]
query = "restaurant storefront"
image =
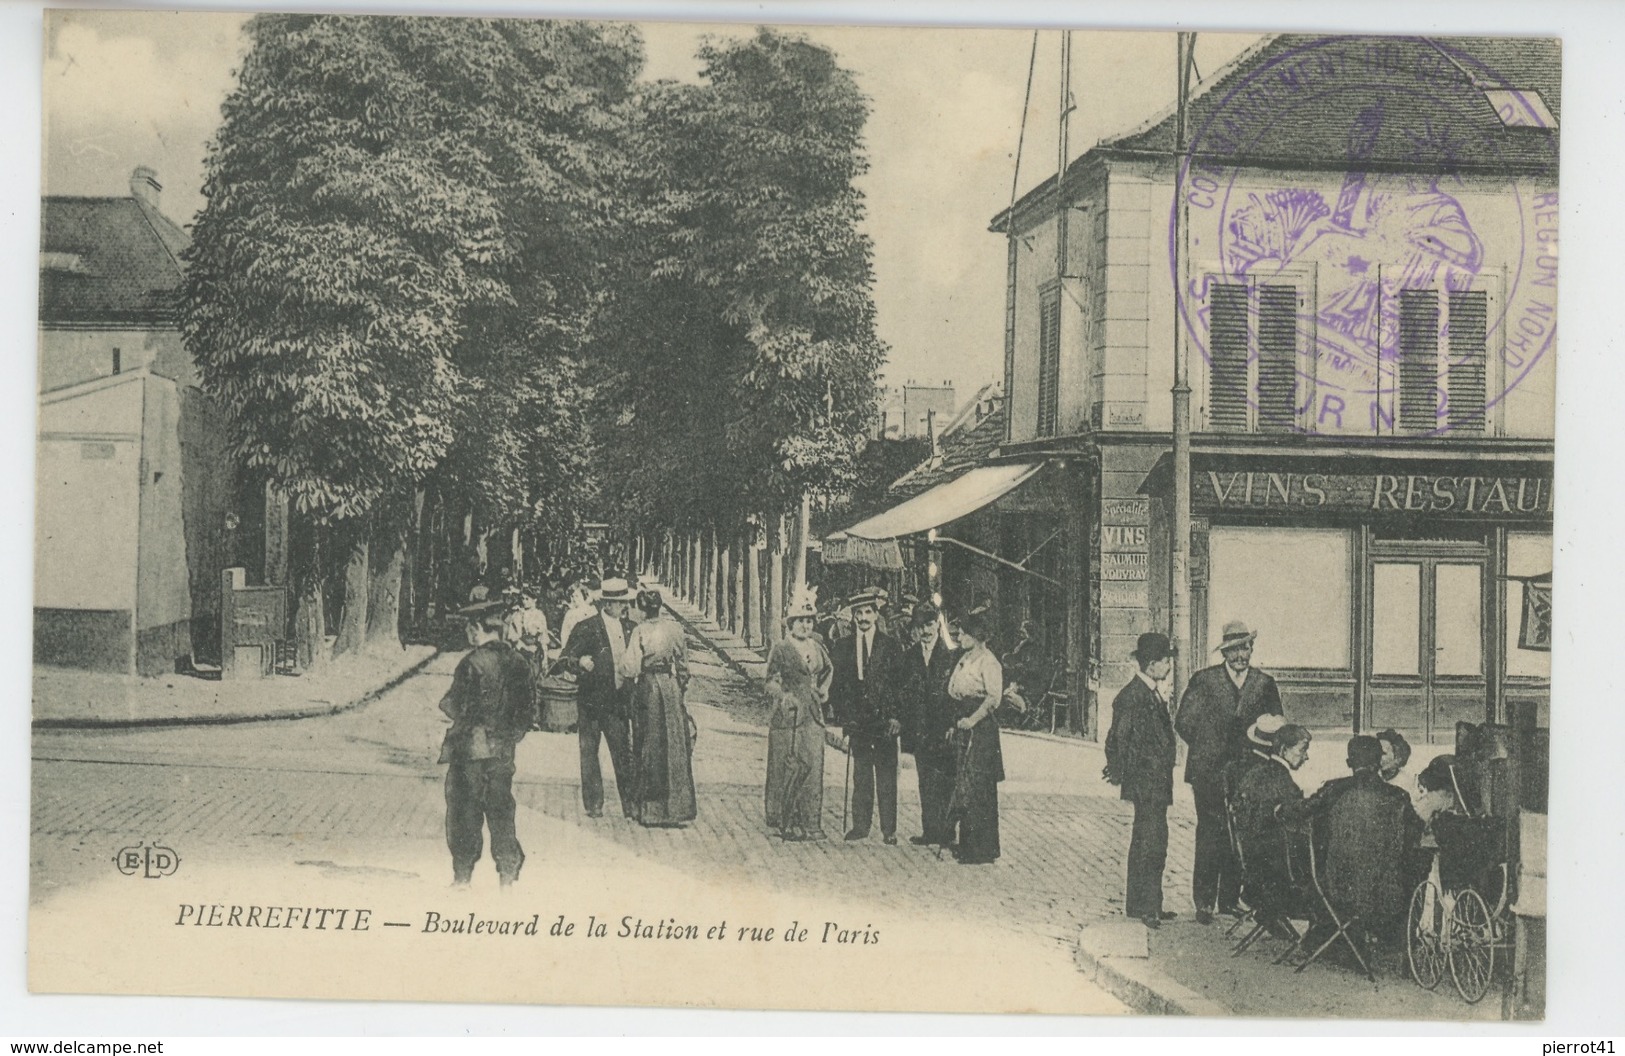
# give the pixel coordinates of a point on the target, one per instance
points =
(1408, 591)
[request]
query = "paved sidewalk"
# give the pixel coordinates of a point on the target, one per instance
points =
(1187, 969)
(69, 699)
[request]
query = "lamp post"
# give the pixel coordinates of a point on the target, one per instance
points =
(1179, 559)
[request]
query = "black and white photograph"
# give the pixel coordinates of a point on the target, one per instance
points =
(748, 515)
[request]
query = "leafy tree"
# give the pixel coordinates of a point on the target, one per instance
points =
(384, 281)
(746, 349)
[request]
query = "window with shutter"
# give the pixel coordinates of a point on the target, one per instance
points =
(1227, 353)
(1049, 362)
(1418, 360)
(1466, 373)
(1277, 357)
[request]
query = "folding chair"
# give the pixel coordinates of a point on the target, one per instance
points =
(1255, 915)
(1339, 925)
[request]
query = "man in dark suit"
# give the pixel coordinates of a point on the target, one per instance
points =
(490, 708)
(1219, 704)
(927, 718)
(603, 700)
(1140, 755)
(863, 694)
(1366, 827)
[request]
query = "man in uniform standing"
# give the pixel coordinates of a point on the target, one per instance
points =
(1140, 755)
(863, 695)
(593, 653)
(490, 708)
(1219, 704)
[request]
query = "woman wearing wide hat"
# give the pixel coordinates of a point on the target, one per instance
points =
(798, 677)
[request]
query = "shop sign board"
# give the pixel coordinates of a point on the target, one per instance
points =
(1123, 595)
(1494, 496)
(1124, 566)
(1125, 511)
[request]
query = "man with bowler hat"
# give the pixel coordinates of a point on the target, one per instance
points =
(1219, 705)
(864, 697)
(927, 718)
(490, 708)
(603, 698)
(1140, 755)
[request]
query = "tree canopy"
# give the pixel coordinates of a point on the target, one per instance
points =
(747, 347)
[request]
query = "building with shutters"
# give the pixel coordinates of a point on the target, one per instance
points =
(134, 501)
(1367, 297)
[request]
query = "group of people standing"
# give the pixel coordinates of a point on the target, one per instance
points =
(630, 680)
(931, 695)
(1241, 753)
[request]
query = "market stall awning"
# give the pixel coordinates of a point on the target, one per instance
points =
(873, 541)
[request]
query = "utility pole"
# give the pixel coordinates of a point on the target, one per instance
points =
(1179, 581)
(1061, 205)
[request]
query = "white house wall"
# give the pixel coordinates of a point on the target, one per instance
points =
(1516, 234)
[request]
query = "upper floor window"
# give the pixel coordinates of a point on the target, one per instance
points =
(1449, 392)
(1049, 360)
(1252, 354)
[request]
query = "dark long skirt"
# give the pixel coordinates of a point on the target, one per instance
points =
(664, 753)
(975, 803)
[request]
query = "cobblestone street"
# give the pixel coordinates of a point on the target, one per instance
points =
(368, 778)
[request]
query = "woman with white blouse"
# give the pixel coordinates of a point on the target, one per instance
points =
(975, 688)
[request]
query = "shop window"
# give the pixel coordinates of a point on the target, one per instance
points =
(1252, 356)
(1458, 620)
(1528, 554)
(1396, 627)
(1294, 585)
(1049, 361)
(1431, 398)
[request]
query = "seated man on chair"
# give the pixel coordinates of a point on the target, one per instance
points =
(1366, 825)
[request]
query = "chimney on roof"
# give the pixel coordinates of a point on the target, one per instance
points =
(144, 185)
(931, 431)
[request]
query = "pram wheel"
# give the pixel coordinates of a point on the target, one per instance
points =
(1424, 936)
(1472, 946)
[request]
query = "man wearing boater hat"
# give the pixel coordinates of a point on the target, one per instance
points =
(1219, 704)
(864, 697)
(603, 699)
(1140, 756)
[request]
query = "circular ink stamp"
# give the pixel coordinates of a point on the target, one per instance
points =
(1371, 239)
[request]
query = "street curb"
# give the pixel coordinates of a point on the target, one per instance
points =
(231, 720)
(1133, 981)
(738, 668)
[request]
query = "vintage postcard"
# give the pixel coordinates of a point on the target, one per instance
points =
(779, 517)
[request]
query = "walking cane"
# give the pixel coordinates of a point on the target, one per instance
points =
(846, 788)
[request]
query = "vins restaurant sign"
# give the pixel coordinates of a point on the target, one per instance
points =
(1495, 497)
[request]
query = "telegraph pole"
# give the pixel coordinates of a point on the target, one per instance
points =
(1179, 564)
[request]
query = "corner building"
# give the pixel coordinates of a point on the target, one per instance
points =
(1367, 299)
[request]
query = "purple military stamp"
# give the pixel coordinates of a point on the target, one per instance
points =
(1370, 230)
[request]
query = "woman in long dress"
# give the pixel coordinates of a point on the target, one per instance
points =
(798, 677)
(974, 689)
(655, 658)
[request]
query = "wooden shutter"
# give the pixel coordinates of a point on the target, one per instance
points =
(1049, 362)
(1469, 313)
(1277, 357)
(1418, 360)
(1227, 354)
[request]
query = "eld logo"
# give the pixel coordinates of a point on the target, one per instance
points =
(151, 861)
